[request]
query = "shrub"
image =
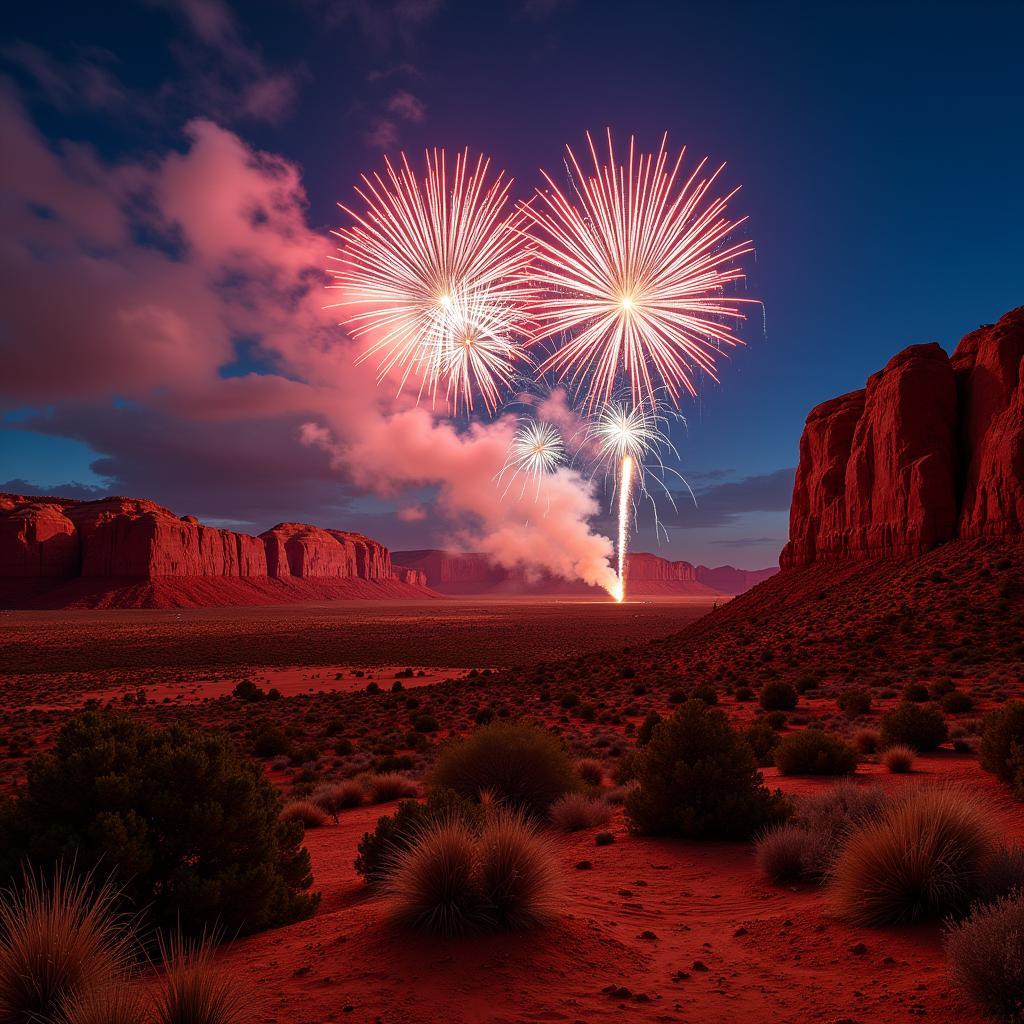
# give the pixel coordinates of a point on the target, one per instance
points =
(190, 828)
(591, 771)
(899, 760)
(59, 941)
(956, 702)
(916, 693)
(854, 703)
(523, 766)
(705, 692)
(1001, 749)
(920, 726)
(394, 833)
(310, 814)
(425, 723)
(924, 857)
(577, 811)
(271, 742)
(333, 797)
(1003, 873)
(450, 880)
(114, 1003)
(782, 852)
(763, 740)
(384, 787)
(778, 696)
(194, 990)
(986, 956)
(698, 778)
(865, 741)
(814, 752)
(643, 736)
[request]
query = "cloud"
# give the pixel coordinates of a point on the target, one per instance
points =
(385, 24)
(746, 542)
(124, 290)
(382, 134)
(721, 504)
(407, 106)
(83, 83)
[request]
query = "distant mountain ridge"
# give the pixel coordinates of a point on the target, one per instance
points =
(469, 572)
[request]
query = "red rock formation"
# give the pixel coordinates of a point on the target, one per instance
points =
(930, 450)
(989, 365)
(644, 566)
(729, 580)
(101, 553)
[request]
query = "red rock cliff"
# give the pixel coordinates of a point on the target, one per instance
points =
(930, 450)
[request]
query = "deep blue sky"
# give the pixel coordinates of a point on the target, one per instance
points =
(880, 148)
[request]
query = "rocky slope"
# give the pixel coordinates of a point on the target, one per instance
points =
(931, 450)
(451, 572)
(56, 552)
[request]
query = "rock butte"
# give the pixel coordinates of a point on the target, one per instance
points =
(931, 450)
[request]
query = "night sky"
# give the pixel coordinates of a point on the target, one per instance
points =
(152, 347)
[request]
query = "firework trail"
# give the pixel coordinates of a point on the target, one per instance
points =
(630, 278)
(432, 274)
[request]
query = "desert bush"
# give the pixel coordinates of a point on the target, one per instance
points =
(778, 696)
(814, 752)
(699, 779)
(854, 702)
(956, 702)
(311, 814)
(899, 760)
(1002, 874)
(865, 741)
(451, 880)
(333, 797)
(920, 726)
(763, 740)
(60, 940)
(193, 989)
(577, 811)
(924, 857)
(1001, 749)
(643, 736)
(189, 827)
(393, 833)
(591, 771)
(986, 956)
(523, 766)
(383, 787)
(782, 852)
(118, 1002)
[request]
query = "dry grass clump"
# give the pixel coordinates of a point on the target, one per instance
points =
(193, 989)
(387, 786)
(451, 880)
(924, 857)
(577, 811)
(333, 797)
(782, 852)
(591, 771)
(311, 814)
(986, 956)
(61, 939)
(113, 1003)
(899, 759)
(865, 741)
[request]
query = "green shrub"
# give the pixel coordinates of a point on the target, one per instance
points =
(778, 696)
(854, 703)
(699, 779)
(814, 752)
(393, 833)
(189, 828)
(1001, 749)
(519, 764)
(920, 726)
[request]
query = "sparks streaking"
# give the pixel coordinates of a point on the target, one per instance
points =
(631, 277)
(536, 450)
(432, 274)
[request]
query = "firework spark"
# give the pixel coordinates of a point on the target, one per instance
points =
(537, 449)
(632, 275)
(432, 274)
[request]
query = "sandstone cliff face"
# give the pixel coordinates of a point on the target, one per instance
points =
(730, 580)
(121, 540)
(645, 566)
(930, 450)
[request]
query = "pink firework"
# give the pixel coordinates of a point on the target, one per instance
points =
(631, 275)
(433, 278)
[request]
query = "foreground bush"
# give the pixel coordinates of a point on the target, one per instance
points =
(394, 833)
(1001, 749)
(813, 752)
(520, 765)
(450, 880)
(61, 943)
(778, 696)
(306, 812)
(193, 989)
(576, 811)
(189, 828)
(899, 760)
(918, 726)
(699, 779)
(986, 957)
(924, 857)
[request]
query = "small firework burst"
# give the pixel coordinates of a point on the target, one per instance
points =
(537, 449)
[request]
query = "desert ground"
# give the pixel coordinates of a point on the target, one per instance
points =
(646, 928)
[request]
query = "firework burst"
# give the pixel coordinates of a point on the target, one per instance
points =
(537, 449)
(631, 276)
(433, 275)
